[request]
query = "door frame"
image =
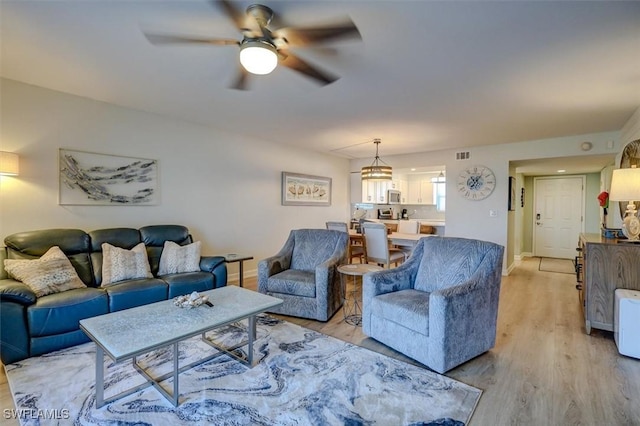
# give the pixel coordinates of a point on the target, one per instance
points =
(535, 191)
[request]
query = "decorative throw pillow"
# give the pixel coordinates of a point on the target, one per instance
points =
(120, 264)
(176, 258)
(51, 273)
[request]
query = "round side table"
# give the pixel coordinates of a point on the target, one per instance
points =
(352, 292)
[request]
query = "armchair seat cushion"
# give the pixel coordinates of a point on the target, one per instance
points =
(61, 312)
(294, 282)
(409, 308)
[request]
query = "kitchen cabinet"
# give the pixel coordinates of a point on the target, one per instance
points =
(606, 264)
(375, 191)
(420, 191)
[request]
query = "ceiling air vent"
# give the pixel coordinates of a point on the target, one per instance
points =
(462, 155)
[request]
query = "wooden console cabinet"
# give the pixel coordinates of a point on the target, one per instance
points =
(607, 264)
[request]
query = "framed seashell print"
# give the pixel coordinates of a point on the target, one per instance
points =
(88, 178)
(305, 190)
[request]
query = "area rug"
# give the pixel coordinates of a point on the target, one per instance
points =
(303, 378)
(564, 266)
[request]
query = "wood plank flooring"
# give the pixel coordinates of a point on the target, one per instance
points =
(544, 369)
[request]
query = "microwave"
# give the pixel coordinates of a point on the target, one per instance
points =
(393, 196)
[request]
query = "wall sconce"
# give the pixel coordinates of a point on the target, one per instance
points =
(9, 163)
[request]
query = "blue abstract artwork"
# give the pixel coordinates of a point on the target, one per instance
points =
(100, 179)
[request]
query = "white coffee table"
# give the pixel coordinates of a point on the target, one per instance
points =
(132, 332)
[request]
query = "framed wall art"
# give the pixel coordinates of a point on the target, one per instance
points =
(87, 178)
(305, 190)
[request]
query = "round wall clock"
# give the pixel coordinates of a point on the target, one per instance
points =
(476, 182)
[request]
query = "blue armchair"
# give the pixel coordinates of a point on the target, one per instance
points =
(440, 307)
(304, 273)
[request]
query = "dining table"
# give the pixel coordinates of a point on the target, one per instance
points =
(395, 238)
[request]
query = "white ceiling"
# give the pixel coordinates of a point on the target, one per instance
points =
(426, 76)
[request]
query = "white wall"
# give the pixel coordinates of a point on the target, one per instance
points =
(224, 187)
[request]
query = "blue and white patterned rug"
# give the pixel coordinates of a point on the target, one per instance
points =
(303, 378)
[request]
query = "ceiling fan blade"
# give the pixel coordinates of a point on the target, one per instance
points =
(236, 15)
(314, 35)
(177, 39)
(248, 27)
(295, 63)
(241, 81)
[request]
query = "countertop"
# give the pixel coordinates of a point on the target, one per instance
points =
(430, 222)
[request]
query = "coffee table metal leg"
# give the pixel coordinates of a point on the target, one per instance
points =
(176, 372)
(99, 376)
(252, 337)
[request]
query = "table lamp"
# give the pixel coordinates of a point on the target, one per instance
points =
(625, 186)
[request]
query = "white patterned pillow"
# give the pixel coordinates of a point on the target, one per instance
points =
(51, 273)
(176, 259)
(120, 264)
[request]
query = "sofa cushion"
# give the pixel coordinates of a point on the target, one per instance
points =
(176, 258)
(293, 281)
(188, 282)
(132, 293)
(120, 264)
(61, 312)
(154, 237)
(409, 308)
(51, 273)
(73, 242)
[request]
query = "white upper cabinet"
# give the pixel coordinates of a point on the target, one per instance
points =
(420, 190)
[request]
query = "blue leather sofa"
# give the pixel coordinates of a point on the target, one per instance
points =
(31, 326)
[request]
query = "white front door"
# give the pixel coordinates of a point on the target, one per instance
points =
(558, 216)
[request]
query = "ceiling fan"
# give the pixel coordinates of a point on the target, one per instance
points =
(263, 49)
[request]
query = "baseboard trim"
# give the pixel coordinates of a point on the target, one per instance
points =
(235, 277)
(523, 255)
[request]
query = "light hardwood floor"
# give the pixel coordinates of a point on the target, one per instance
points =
(544, 369)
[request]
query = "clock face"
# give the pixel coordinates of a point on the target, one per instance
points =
(476, 183)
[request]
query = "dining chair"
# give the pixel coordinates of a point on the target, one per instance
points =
(354, 250)
(337, 226)
(377, 244)
(408, 227)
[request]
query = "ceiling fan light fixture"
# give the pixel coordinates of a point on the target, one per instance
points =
(258, 57)
(376, 171)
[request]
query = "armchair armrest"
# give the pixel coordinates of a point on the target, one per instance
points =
(274, 265)
(17, 292)
(462, 321)
(271, 266)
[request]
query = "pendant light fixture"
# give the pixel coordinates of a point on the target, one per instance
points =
(376, 171)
